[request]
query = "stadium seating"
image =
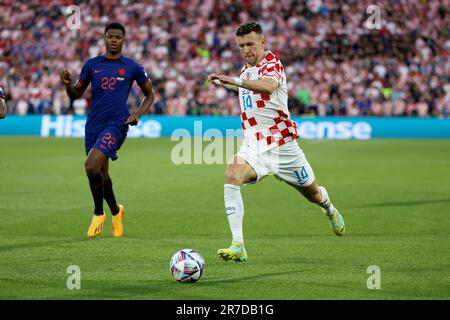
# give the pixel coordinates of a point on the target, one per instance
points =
(335, 65)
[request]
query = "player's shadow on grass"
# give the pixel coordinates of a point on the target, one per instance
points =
(147, 289)
(404, 203)
(251, 277)
(38, 244)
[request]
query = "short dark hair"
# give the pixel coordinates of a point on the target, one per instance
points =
(115, 25)
(249, 27)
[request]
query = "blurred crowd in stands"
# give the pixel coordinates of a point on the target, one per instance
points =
(335, 64)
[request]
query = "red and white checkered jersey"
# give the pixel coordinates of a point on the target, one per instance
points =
(266, 118)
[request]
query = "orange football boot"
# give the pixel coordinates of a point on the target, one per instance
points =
(117, 226)
(96, 226)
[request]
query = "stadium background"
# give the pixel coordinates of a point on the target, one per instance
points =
(335, 64)
(392, 193)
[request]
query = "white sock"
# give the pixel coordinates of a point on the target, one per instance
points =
(234, 207)
(325, 203)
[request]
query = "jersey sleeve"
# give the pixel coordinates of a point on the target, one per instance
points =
(140, 75)
(85, 74)
(2, 93)
(272, 70)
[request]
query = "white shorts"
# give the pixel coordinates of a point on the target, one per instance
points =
(287, 163)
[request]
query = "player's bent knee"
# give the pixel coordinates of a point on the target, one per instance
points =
(233, 177)
(91, 169)
(105, 174)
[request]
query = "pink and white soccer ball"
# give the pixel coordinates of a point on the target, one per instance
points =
(187, 265)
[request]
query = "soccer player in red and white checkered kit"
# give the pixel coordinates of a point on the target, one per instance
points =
(269, 138)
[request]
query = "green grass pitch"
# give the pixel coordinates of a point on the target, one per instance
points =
(393, 194)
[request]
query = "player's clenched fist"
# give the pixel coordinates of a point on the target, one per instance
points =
(220, 79)
(212, 79)
(66, 77)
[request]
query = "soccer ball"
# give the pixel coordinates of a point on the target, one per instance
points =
(187, 265)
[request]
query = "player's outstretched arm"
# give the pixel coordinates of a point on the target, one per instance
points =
(264, 86)
(149, 92)
(214, 80)
(3, 109)
(73, 90)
